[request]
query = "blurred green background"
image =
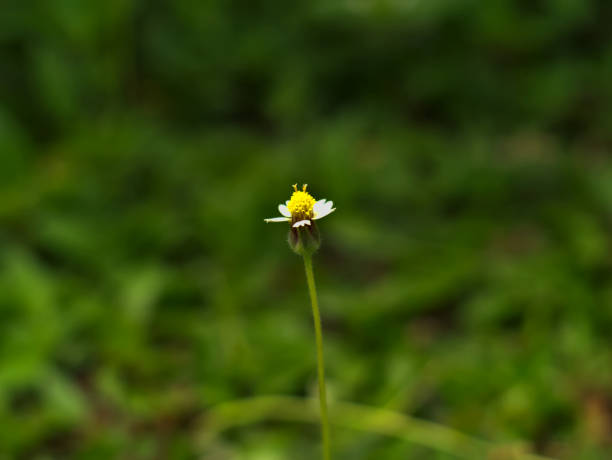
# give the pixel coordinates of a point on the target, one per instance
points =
(465, 278)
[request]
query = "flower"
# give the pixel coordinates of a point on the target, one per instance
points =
(302, 208)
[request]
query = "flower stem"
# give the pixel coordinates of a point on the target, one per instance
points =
(320, 363)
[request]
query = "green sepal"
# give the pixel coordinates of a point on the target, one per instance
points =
(304, 240)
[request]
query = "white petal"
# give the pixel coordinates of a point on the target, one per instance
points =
(322, 207)
(301, 223)
(323, 213)
(318, 205)
(277, 219)
(284, 210)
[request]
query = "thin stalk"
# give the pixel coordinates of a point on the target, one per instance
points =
(320, 363)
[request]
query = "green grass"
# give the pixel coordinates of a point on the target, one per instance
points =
(464, 279)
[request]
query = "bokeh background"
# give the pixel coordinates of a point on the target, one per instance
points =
(465, 278)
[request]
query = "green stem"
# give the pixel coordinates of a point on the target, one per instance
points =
(320, 363)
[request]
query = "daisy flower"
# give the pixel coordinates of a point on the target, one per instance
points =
(302, 208)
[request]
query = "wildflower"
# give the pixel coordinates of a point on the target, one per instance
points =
(301, 211)
(302, 208)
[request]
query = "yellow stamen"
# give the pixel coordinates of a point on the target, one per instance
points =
(301, 203)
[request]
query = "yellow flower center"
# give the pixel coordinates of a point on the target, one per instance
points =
(301, 203)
